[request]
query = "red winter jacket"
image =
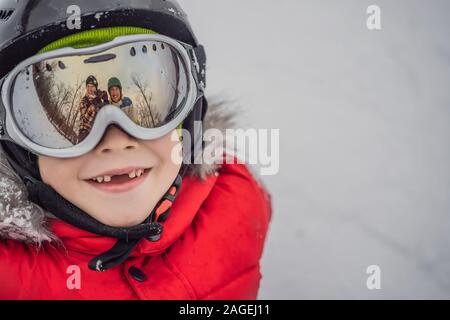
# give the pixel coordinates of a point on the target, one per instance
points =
(210, 249)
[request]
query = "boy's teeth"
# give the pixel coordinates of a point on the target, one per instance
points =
(132, 174)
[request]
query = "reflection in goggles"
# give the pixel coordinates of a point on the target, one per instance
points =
(147, 81)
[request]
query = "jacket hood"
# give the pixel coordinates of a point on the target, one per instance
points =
(23, 220)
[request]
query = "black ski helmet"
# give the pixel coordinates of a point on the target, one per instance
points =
(26, 26)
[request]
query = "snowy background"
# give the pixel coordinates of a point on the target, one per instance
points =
(365, 127)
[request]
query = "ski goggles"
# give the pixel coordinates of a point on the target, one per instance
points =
(60, 103)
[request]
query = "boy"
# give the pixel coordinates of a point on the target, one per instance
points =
(119, 215)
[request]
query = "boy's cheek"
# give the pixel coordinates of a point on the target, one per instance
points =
(58, 173)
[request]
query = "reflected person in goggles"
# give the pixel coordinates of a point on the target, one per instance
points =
(90, 104)
(117, 98)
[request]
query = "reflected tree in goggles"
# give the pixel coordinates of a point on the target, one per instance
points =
(55, 102)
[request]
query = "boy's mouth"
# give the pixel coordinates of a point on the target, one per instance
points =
(119, 181)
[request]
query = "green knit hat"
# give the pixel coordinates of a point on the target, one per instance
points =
(95, 37)
(114, 82)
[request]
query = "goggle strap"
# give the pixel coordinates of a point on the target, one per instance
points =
(200, 53)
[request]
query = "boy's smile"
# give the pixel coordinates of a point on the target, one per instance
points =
(121, 180)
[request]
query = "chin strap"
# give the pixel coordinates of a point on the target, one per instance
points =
(151, 229)
(124, 247)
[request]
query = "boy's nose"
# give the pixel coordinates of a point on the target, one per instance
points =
(115, 140)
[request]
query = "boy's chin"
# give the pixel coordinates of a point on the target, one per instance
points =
(120, 220)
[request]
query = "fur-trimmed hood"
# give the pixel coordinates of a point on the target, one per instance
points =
(23, 220)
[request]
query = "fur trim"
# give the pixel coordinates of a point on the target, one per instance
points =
(23, 220)
(219, 117)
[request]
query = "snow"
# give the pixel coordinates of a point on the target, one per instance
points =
(98, 16)
(364, 119)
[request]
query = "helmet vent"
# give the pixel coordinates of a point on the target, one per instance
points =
(5, 14)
